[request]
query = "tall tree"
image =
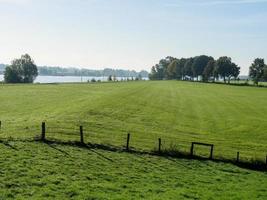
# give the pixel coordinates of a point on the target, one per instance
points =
(171, 69)
(22, 70)
(160, 71)
(163, 65)
(235, 71)
(199, 64)
(256, 70)
(209, 71)
(180, 68)
(153, 74)
(223, 67)
(188, 69)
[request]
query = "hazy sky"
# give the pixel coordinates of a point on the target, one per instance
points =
(132, 34)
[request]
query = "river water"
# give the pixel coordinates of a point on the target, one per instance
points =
(69, 79)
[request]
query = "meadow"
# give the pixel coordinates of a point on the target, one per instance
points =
(51, 171)
(233, 118)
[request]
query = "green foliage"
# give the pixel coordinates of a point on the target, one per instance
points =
(153, 74)
(256, 70)
(160, 71)
(209, 71)
(199, 64)
(175, 69)
(21, 70)
(223, 65)
(226, 69)
(180, 69)
(235, 71)
(190, 68)
(12, 74)
(172, 69)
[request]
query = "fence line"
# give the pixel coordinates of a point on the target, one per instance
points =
(159, 143)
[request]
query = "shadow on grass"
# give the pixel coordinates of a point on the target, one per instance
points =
(8, 145)
(101, 155)
(51, 145)
(170, 154)
(231, 84)
(256, 165)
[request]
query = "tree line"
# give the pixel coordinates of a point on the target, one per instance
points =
(205, 68)
(61, 71)
(202, 67)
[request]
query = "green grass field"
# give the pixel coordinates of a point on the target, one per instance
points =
(41, 171)
(233, 118)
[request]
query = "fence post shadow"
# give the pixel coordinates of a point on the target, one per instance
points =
(128, 142)
(43, 131)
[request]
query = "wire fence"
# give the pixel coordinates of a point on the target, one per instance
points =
(66, 131)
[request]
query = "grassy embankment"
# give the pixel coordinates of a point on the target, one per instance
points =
(41, 171)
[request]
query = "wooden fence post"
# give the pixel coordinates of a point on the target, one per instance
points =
(211, 152)
(128, 141)
(43, 131)
(237, 157)
(81, 134)
(159, 145)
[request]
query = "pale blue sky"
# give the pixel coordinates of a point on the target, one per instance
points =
(131, 34)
